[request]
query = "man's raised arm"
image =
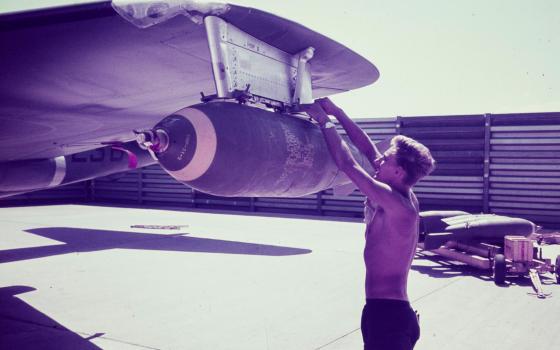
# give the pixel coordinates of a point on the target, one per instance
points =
(358, 137)
(377, 191)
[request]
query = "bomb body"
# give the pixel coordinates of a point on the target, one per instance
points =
(231, 150)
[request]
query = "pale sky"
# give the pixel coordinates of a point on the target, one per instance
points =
(436, 57)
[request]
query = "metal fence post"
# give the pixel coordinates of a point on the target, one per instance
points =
(320, 203)
(140, 186)
(486, 176)
(89, 191)
(92, 191)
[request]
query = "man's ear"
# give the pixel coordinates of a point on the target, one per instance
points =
(399, 171)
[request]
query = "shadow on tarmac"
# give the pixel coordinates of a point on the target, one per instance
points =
(77, 240)
(446, 268)
(24, 327)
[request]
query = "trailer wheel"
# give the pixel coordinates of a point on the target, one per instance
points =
(499, 269)
(557, 269)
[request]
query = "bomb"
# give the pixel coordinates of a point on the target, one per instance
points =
(231, 150)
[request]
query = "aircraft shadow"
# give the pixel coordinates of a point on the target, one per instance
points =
(24, 327)
(77, 240)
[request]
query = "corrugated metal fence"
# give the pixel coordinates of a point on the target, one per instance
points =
(503, 163)
(457, 144)
(524, 169)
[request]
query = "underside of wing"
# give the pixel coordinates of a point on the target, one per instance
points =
(74, 76)
(79, 78)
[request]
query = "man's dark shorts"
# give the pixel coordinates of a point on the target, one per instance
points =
(389, 325)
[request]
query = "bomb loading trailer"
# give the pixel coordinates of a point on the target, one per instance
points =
(503, 245)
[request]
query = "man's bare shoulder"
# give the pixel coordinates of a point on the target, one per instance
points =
(403, 205)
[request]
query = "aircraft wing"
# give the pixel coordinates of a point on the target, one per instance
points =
(74, 77)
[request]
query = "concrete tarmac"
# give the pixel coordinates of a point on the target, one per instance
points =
(81, 277)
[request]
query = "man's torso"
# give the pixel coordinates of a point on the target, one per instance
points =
(390, 246)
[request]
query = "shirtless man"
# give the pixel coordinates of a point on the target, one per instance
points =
(391, 216)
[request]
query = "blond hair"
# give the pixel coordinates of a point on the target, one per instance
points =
(415, 158)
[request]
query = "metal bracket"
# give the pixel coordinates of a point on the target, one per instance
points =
(250, 70)
(303, 93)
